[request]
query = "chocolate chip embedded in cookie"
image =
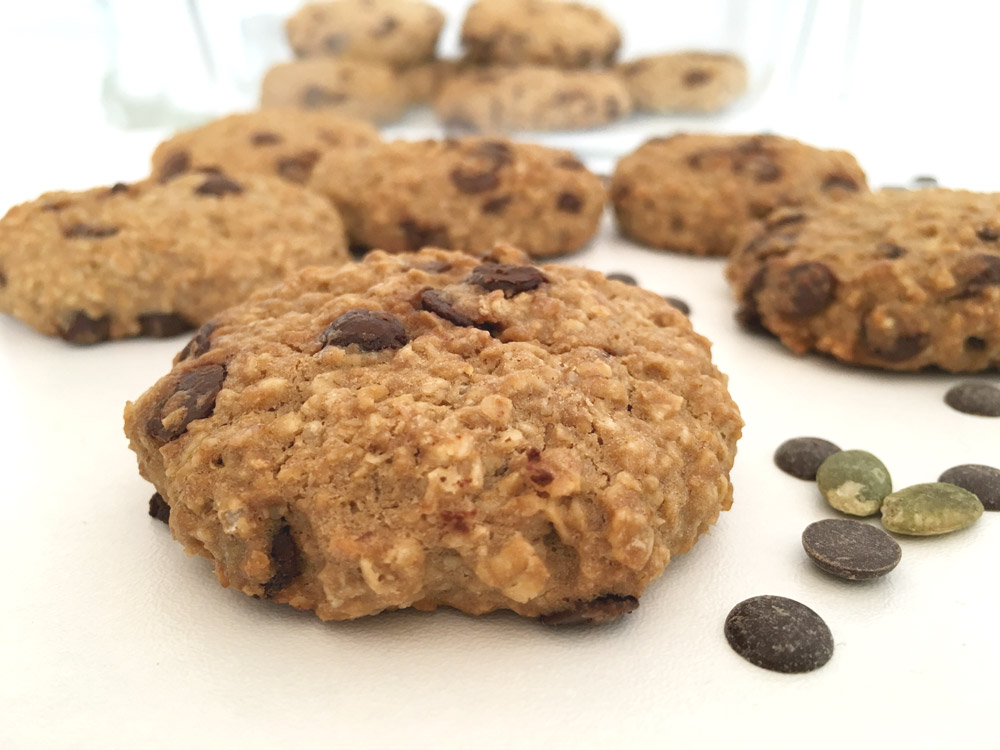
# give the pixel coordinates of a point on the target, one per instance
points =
(898, 280)
(684, 81)
(465, 194)
(542, 32)
(430, 430)
(531, 98)
(401, 33)
(282, 142)
(155, 258)
(699, 193)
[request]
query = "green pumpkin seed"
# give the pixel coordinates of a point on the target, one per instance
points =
(933, 508)
(854, 482)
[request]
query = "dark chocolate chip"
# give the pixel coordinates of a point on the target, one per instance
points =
(890, 251)
(3, 279)
(265, 138)
(625, 278)
(159, 325)
(436, 302)
(982, 481)
(286, 559)
(779, 634)
(974, 344)
(200, 344)
(118, 187)
(897, 346)
(497, 205)
(976, 274)
(850, 549)
(473, 182)
(369, 330)
(511, 279)
(811, 288)
(218, 185)
(924, 181)
(80, 328)
(158, 508)
(594, 612)
(193, 396)
(763, 170)
(358, 250)
(497, 151)
(801, 457)
(696, 77)
(971, 397)
(297, 168)
(988, 234)
(385, 27)
(334, 43)
(176, 163)
(315, 97)
(680, 304)
(748, 314)
(569, 202)
(90, 231)
(434, 266)
(571, 163)
(420, 235)
(840, 181)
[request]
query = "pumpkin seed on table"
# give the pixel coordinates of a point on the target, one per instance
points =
(854, 482)
(982, 481)
(802, 457)
(850, 549)
(929, 509)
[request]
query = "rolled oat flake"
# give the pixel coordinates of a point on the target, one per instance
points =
(850, 549)
(929, 509)
(779, 634)
(854, 482)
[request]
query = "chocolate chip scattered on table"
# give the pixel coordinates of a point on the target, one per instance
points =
(850, 549)
(779, 634)
(802, 457)
(978, 399)
(981, 480)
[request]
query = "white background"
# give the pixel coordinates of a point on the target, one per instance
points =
(110, 637)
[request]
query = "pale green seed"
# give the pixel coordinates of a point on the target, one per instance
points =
(933, 508)
(854, 482)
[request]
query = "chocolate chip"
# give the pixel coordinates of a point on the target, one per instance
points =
(193, 398)
(982, 481)
(420, 235)
(801, 457)
(497, 205)
(358, 250)
(612, 108)
(83, 329)
(370, 330)
(779, 634)
(286, 559)
(782, 219)
(988, 234)
(434, 266)
(925, 181)
(265, 138)
(436, 302)
(625, 278)
(840, 181)
(297, 168)
(90, 231)
(473, 182)
(594, 612)
(385, 27)
(748, 314)
(890, 250)
(571, 163)
(513, 280)
(118, 187)
(497, 151)
(971, 397)
(218, 185)
(850, 549)
(680, 304)
(3, 279)
(764, 170)
(976, 274)
(892, 346)
(334, 43)
(158, 508)
(974, 344)
(316, 97)
(569, 202)
(697, 77)
(176, 163)
(163, 325)
(811, 288)
(200, 344)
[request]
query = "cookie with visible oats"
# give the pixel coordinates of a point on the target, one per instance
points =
(400, 33)
(898, 280)
(433, 430)
(697, 194)
(684, 81)
(282, 142)
(496, 100)
(463, 193)
(156, 259)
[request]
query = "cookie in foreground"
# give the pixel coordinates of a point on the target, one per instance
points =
(434, 429)
(898, 280)
(153, 259)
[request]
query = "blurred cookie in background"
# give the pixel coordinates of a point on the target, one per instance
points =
(684, 82)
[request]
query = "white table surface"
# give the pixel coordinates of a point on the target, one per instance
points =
(111, 637)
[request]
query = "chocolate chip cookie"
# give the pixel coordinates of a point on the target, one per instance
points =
(156, 259)
(698, 193)
(464, 194)
(434, 430)
(531, 98)
(369, 91)
(400, 33)
(282, 142)
(685, 81)
(543, 32)
(898, 280)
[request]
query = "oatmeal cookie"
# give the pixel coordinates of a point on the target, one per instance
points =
(156, 259)
(698, 193)
(684, 81)
(282, 142)
(531, 98)
(465, 194)
(434, 430)
(400, 33)
(898, 280)
(542, 32)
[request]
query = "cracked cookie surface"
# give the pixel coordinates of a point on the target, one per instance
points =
(898, 280)
(434, 429)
